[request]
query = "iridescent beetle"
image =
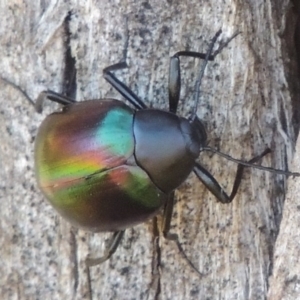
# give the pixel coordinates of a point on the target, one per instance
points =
(106, 167)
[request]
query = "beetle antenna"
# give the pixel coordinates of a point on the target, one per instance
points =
(201, 73)
(249, 164)
(210, 55)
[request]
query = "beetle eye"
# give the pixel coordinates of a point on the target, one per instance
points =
(201, 132)
(193, 140)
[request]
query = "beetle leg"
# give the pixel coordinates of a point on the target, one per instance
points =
(70, 71)
(124, 90)
(113, 245)
(167, 217)
(52, 96)
(174, 69)
(174, 83)
(211, 183)
(213, 186)
(174, 76)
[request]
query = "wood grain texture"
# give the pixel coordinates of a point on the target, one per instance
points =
(250, 99)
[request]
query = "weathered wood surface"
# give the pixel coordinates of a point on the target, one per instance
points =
(249, 102)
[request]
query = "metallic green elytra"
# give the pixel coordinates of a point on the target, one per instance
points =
(85, 166)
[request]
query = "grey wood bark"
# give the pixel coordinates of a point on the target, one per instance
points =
(249, 102)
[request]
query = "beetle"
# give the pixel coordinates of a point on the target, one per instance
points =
(97, 162)
(98, 165)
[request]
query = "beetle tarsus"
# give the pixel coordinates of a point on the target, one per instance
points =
(124, 90)
(240, 170)
(222, 46)
(174, 237)
(167, 217)
(186, 258)
(113, 245)
(89, 282)
(19, 89)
